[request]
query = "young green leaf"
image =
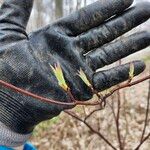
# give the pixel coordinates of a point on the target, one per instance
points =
(82, 75)
(60, 77)
(131, 72)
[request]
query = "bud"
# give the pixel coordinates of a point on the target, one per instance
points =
(60, 77)
(131, 71)
(82, 75)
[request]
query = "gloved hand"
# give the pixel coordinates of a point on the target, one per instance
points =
(81, 40)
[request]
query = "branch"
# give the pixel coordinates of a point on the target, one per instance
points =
(24, 92)
(43, 99)
(89, 126)
(91, 113)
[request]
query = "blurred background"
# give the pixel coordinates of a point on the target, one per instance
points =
(66, 133)
(48, 11)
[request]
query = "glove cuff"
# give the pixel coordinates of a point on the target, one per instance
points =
(11, 139)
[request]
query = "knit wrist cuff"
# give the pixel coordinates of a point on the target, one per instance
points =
(11, 139)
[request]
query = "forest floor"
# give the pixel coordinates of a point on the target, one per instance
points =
(66, 133)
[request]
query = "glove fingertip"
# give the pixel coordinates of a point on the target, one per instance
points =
(139, 66)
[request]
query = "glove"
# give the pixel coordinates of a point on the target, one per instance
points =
(81, 40)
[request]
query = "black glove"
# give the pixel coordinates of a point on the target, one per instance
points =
(25, 59)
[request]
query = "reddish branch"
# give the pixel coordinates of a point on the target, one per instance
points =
(125, 85)
(43, 99)
(27, 93)
(24, 92)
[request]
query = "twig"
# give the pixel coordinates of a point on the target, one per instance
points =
(146, 138)
(126, 85)
(112, 109)
(71, 96)
(147, 113)
(145, 124)
(127, 130)
(116, 118)
(89, 126)
(91, 113)
(117, 121)
(84, 110)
